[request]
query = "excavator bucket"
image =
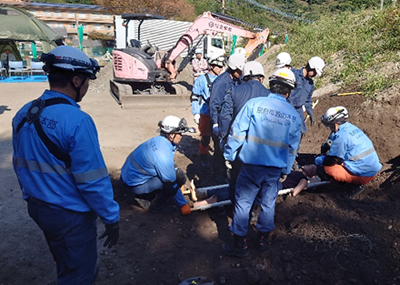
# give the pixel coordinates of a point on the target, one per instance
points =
(175, 94)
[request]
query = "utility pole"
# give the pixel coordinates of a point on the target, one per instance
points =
(394, 3)
(381, 4)
(223, 6)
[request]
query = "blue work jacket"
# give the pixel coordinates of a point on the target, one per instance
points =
(267, 132)
(201, 88)
(86, 185)
(235, 99)
(220, 86)
(153, 158)
(301, 95)
(356, 149)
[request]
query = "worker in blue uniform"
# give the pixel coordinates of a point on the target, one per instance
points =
(220, 86)
(234, 100)
(267, 133)
(301, 96)
(200, 100)
(349, 155)
(150, 169)
(61, 170)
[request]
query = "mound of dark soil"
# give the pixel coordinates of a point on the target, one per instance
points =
(321, 236)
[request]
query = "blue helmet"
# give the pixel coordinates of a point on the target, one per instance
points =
(66, 58)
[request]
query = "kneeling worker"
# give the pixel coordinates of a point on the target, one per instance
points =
(349, 155)
(150, 168)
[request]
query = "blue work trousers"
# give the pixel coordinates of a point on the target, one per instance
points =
(72, 239)
(255, 180)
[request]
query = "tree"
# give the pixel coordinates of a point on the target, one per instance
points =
(171, 9)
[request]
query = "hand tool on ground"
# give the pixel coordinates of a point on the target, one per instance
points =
(345, 94)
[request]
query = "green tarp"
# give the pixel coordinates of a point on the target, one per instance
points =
(19, 25)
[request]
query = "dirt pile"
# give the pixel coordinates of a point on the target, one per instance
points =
(102, 83)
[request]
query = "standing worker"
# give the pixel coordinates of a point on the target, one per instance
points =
(234, 100)
(302, 94)
(199, 64)
(150, 170)
(267, 133)
(349, 155)
(220, 86)
(61, 170)
(200, 103)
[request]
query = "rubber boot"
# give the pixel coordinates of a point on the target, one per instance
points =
(239, 249)
(160, 206)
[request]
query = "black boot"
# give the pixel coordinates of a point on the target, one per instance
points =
(160, 206)
(239, 249)
(204, 161)
(355, 191)
(263, 239)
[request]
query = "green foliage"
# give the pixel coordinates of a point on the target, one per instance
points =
(360, 43)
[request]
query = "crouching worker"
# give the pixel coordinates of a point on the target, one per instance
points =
(349, 155)
(298, 180)
(150, 173)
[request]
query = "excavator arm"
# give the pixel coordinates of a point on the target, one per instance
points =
(210, 25)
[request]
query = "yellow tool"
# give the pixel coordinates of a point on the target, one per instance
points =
(313, 106)
(345, 94)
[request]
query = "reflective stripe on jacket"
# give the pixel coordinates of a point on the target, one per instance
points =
(267, 132)
(86, 186)
(352, 145)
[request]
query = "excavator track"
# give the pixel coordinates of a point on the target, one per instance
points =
(163, 94)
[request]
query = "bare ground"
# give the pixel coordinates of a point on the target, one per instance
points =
(321, 236)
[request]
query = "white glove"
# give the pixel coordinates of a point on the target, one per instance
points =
(215, 129)
(228, 164)
(196, 118)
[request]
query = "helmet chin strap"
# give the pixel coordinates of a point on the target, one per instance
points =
(77, 89)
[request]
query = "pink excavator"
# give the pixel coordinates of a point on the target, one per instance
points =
(145, 70)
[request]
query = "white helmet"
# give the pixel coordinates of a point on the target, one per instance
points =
(198, 51)
(66, 58)
(217, 59)
(236, 61)
(173, 125)
(253, 68)
(316, 63)
(240, 50)
(285, 76)
(283, 59)
(335, 115)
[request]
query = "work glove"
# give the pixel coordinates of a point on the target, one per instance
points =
(283, 177)
(112, 234)
(325, 147)
(313, 120)
(185, 210)
(228, 164)
(196, 119)
(215, 129)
